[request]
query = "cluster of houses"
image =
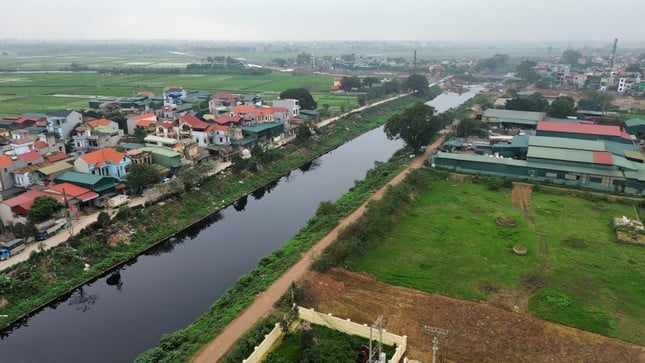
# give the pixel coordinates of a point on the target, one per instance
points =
(531, 146)
(34, 161)
(557, 75)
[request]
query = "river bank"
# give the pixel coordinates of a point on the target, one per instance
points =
(159, 222)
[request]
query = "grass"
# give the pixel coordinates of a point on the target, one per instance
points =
(322, 344)
(24, 93)
(449, 243)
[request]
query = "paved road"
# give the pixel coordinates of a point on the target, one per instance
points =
(77, 225)
(265, 300)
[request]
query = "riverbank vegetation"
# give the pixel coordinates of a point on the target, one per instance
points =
(45, 276)
(447, 239)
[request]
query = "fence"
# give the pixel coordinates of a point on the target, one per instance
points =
(262, 349)
(342, 325)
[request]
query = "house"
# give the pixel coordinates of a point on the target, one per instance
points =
(96, 183)
(635, 127)
(172, 144)
(50, 171)
(95, 138)
(195, 129)
(167, 158)
(628, 81)
(14, 210)
(75, 196)
(8, 124)
(104, 162)
(292, 106)
(63, 122)
(102, 122)
(146, 121)
(253, 114)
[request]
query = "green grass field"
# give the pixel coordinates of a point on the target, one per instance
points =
(28, 92)
(450, 243)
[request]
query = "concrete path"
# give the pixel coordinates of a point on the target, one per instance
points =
(265, 300)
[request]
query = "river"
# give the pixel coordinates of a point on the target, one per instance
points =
(119, 315)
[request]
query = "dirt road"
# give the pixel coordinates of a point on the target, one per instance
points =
(264, 302)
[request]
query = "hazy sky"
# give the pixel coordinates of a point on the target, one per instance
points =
(447, 20)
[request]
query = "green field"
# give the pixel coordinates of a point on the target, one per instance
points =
(574, 273)
(29, 92)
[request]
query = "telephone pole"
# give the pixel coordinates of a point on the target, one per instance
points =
(436, 333)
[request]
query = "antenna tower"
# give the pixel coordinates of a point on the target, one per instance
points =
(378, 324)
(613, 56)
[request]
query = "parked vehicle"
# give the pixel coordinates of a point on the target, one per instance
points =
(47, 230)
(11, 248)
(118, 200)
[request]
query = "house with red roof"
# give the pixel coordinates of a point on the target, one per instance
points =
(102, 122)
(15, 210)
(104, 162)
(146, 121)
(193, 128)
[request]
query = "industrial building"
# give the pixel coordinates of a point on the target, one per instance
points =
(578, 156)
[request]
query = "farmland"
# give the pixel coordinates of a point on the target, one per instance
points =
(573, 273)
(35, 92)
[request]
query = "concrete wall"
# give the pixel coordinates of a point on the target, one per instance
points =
(262, 349)
(349, 327)
(342, 325)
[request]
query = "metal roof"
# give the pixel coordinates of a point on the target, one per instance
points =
(513, 114)
(56, 167)
(566, 143)
(163, 140)
(161, 151)
(634, 122)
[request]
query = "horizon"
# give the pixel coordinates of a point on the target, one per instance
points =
(335, 21)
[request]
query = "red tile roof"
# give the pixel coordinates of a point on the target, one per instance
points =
(40, 144)
(145, 116)
(227, 119)
(26, 199)
(21, 141)
(5, 161)
(280, 109)
(193, 122)
(56, 157)
(145, 123)
(99, 122)
(602, 157)
(220, 128)
(99, 157)
(73, 191)
(29, 156)
(222, 95)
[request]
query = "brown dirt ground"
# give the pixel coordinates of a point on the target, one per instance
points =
(478, 332)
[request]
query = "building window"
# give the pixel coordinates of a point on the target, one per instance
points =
(571, 177)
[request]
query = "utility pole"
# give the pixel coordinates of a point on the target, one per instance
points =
(378, 324)
(436, 332)
(68, 214)
(414, 67)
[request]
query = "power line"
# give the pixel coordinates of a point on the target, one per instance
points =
(436, 333)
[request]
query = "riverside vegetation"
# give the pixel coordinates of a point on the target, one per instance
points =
(52, 273)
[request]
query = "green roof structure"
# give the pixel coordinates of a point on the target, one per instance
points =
(96, 183)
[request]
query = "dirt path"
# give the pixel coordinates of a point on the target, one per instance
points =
(264, 301)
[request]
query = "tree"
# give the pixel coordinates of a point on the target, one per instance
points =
(562, 107)
(349, 83)
(417, 83)
(141, 175)
(471, 127)
(43, 208)
(103, 220)
(570, 56)
(302, 95)
(526, 72)
(416, 125)
(121, 120)
(303, 133)
(534, 102)
(21, 230)
(393, 86)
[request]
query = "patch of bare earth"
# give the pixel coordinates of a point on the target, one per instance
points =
(478, 332)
